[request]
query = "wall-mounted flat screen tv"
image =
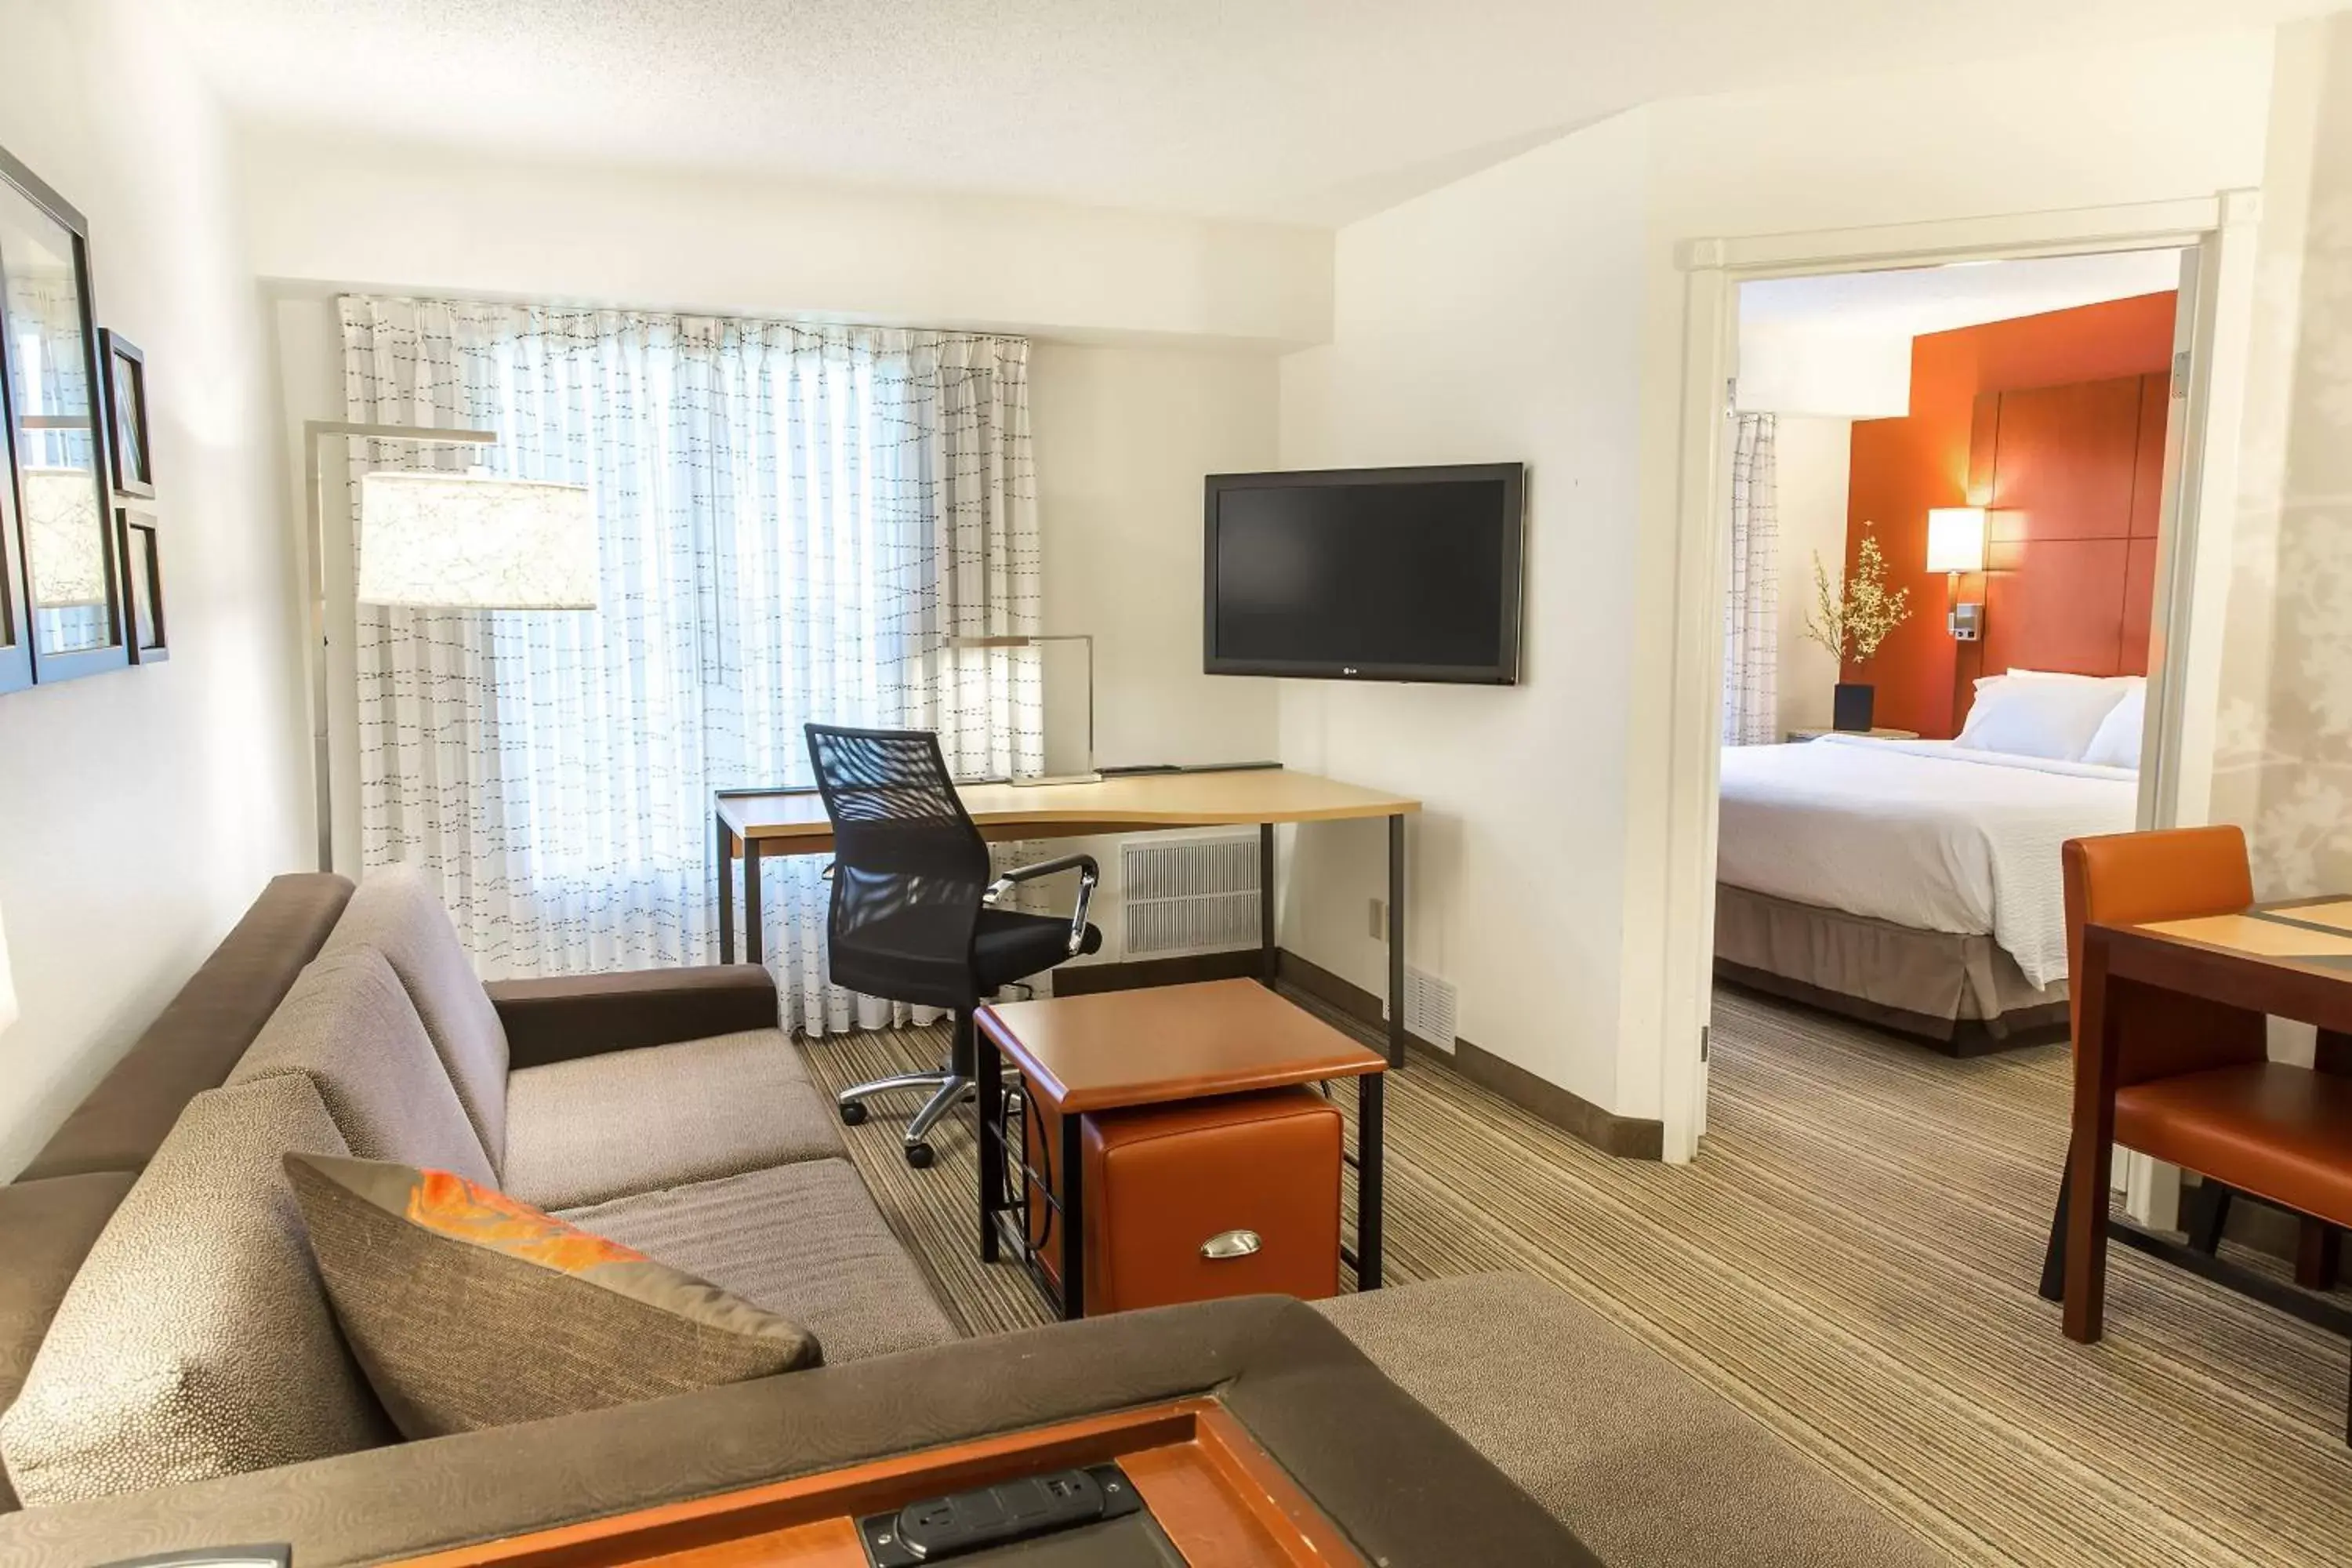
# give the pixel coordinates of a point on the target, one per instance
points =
(1366, 574)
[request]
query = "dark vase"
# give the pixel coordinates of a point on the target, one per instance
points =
(1851, 708)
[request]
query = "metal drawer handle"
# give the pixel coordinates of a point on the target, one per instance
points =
(1231, 1244)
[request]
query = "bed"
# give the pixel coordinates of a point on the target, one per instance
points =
(1911, 883)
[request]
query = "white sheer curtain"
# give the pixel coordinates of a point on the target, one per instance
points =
(1751, 638)
(791, 520)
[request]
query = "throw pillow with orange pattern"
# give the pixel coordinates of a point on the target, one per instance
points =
(467, 1309)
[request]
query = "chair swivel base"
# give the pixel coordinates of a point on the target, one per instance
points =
(950, 1089)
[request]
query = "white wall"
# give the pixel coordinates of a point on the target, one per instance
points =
(386, 217)
(141, 810)
(1815, 462)
(1813, 367)
(1491, 321)
(1535, 310)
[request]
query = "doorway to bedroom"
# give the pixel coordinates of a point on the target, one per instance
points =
(1946, 508)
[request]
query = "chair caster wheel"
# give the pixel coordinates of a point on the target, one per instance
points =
(918, 1155)
(853, 1114)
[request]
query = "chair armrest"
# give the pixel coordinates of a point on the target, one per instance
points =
(1088, 875)
(569, 1016)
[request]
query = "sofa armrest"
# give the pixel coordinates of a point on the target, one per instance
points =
(568, 1016)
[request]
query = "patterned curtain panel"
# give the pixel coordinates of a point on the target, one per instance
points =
(791, 519)
(1751, 641)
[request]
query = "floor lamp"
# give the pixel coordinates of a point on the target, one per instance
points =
(465, 541)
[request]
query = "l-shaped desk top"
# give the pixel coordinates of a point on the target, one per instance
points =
(785, 822)
(757, 824)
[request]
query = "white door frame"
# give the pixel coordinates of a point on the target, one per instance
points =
(2192, 554)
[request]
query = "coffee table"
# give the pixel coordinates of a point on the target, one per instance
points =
(1113, 1050)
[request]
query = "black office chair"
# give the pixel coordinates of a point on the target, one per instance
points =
(913, 915)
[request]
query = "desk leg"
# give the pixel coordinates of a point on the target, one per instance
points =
(1072, 1179)
(1371, 1156)
(2093, 1148)
(1396, 941)
(726, 893)
(755, 932)
(988, 1072)
(1267, 969)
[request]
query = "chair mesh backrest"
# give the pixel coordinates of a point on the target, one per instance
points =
(909, 868)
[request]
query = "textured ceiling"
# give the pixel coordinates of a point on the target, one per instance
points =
(1299, 110)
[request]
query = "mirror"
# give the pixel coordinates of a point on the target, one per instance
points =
(55, 409)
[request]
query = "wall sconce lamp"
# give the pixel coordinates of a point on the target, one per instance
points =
(1956, 543)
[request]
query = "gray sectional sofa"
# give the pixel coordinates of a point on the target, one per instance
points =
(171, 1374)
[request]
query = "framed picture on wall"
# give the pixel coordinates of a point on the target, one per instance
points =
(66, 563)
(126, 381)
(143, 584)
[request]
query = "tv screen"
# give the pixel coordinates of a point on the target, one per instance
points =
(1366, 574)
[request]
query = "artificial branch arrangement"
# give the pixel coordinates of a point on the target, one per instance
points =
(1852, 619)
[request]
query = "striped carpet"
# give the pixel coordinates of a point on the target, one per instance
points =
(1852, 1261)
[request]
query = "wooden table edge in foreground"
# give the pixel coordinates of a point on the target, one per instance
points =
(999, 1041)
(1219, 1497)
(752, 825)
(2271, 983)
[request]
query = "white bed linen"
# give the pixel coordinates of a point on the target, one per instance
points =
(1919, 833)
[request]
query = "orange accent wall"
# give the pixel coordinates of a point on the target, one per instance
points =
(2051, 574)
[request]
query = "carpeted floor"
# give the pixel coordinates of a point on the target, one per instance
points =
(1852, 1261)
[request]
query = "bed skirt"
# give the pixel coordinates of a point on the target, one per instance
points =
(1963, 994)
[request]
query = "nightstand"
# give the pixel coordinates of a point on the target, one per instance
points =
(1795, 735)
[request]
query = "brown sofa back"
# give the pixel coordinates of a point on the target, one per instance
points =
(51, 1215)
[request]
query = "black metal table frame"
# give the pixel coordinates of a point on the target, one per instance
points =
(1065, 1200)
(755, 941)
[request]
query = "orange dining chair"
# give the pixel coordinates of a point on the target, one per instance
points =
(2193, 1083)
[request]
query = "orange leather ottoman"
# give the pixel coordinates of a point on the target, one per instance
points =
(1237, 1195)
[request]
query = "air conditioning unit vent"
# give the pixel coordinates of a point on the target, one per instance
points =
(1189, 895)
(1430, 1007)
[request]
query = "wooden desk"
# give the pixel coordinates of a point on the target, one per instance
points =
(754, 823)
(2290, 959)
(1114, 1050)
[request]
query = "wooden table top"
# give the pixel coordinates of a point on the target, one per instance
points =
(2292, 959)
(1122, 800)
(1112, 1049)
(1218, 1497)
(2308, 933)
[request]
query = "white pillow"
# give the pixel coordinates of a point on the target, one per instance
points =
(2116, 745)
(2030, 713)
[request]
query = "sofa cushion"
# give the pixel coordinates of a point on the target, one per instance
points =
(46, 1228)
(348, 1022)
(1542, 1385)
(397, 912)
(803, 1239)
(636, 1122)
(198, 1036)
(196, 1341)
(470, 1309)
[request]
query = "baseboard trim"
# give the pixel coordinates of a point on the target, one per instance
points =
(1628, 1137)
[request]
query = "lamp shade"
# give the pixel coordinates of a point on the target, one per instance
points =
(1956, 539)
(64, 538)
(7, 986)
(470, 541)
